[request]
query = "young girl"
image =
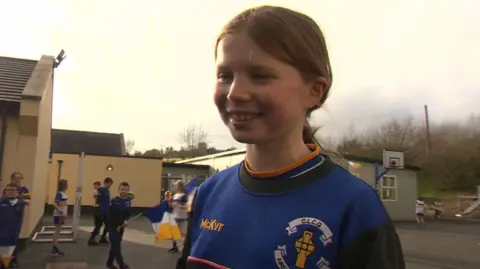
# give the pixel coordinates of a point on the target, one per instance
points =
(179, 210)
(288, 205)
(420, 212)
(60, 213)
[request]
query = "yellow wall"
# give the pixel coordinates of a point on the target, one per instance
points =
(31, 147)
(10, 153)
(144, 176)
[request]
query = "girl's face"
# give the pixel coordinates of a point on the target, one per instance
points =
(259, 98)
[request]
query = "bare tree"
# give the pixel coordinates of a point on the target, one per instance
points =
(129, 145)
(192, 137)
(454, 156)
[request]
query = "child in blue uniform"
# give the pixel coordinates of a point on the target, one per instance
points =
(60, 213)
(24, 194)
(288, 205)
(101, 209)
(11, 217)
(117, 220)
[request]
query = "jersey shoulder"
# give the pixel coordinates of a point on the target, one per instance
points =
(348, 183)
(222, 177)
(218, 182)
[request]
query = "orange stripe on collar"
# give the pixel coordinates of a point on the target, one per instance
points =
(273, 173)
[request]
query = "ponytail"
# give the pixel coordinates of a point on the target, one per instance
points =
(308, 134)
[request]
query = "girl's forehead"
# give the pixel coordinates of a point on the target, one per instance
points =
(240, 50)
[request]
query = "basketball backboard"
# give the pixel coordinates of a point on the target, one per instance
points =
(393, 159)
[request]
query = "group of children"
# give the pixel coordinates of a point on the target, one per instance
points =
(111, 213)
(13, 200)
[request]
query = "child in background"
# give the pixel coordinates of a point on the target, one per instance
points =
(96, 186)
(24, 194)
(420, 212)
(11, 218)
(101, 213)
(117, 220)
(178, 203)
(60, 213)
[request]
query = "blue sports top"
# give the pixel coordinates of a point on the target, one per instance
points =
(11, 219)
(311, 214)
(103, 201)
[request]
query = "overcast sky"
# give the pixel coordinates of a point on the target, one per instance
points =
(145, 68)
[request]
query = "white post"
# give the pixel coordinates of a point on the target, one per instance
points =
(78, 196)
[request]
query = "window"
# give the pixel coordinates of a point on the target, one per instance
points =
(389, 188)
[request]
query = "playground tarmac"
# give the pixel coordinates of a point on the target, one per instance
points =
(441, 245)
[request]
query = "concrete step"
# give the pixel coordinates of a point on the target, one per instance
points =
(46, 237)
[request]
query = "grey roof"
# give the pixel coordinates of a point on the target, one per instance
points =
(70, 141)
(14, 75)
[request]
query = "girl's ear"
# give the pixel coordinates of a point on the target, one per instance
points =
(316, 93)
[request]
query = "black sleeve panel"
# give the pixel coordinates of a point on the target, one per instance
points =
(377, 248)
(182, 261)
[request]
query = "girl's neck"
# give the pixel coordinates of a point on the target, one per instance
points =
(274, 156)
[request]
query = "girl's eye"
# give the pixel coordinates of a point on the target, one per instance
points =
(224, 77)
(260, 76)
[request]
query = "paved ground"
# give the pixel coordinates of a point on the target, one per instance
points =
(442, 245)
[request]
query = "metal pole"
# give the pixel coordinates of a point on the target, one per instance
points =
(427, 126)
(60, 162)
(78, 196)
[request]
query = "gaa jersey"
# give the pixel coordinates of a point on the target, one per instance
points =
(102, 201)
(316, 215)
(11, 216)
(180, 212)
(419, 207)
(61, 210)
(23, 193)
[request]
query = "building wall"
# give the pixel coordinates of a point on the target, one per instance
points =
(33, 143)
(403, 207)
(173, 172)
(10, 151)
(144, 176)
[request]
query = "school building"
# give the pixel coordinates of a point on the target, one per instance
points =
(30, 146)
(105, 156)
(26, 116)
(397, 188)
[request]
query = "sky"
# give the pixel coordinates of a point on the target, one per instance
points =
(145, 68)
